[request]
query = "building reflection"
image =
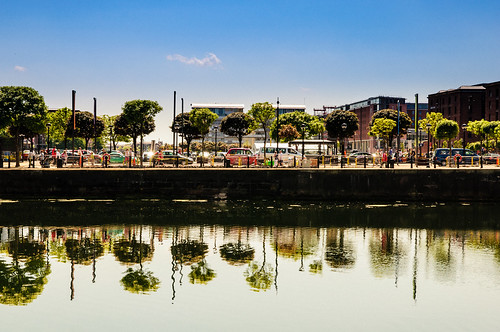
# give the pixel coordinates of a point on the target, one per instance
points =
(259, 254)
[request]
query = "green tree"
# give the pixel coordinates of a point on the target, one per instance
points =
(237, 124)
(288, 133)
(382, 128)
(59, 123)
(262, 114)
(21, 108)
(137, 114)
(431, 118)
(334, 121)
(111, 135)
(202, 119)
(85, 126)
(476, 128)
(185, 128)
(488, 129)
(447, 129)
(404, 122)
(307, 125)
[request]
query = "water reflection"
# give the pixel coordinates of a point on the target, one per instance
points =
(238, 248)
(27, 254)
(23, 273)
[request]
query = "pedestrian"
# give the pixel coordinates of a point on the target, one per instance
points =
(64, 157)
(31, 159)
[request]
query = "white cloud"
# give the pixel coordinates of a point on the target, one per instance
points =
(19, 68)
(210, 60)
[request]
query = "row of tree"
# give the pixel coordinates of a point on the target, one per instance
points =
(23, 113)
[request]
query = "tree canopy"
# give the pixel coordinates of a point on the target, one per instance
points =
(85, 126)
(59, 123)
(237, 124)
(202, 119)
(404, 121)
(447, 129)
(21, 109)
(262, 114)
(334, 121)
(138, 116)
(183, 126)
(382, 128)
(306, 125)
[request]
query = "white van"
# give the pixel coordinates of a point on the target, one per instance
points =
(287, 152)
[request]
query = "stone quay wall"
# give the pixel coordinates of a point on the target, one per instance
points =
(368, 185)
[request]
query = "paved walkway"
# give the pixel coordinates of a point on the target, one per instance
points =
(24, 165)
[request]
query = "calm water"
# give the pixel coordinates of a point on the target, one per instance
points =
(247, 266)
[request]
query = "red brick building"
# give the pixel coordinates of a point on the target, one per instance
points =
(492, 101)
(467, 103)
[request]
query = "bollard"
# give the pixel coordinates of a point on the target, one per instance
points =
(355, 162)
(323, 162)
(294, 161)
(411, 162)
(364, 162)
(239, 161)
(248, 161)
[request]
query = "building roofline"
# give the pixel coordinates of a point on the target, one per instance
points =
(217, 106)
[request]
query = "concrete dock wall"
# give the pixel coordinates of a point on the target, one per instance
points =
(384, 185)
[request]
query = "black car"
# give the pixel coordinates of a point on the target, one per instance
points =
(441, 155)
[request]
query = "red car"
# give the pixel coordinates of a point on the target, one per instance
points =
(241, 157)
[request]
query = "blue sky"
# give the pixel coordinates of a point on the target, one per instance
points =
(313, 52)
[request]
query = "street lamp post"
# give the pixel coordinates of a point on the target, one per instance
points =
(428, 144)
(344, 127)
(277, 124)
(110, 137)
(215, 128)
(464, 128)
(303, 127)
(48, 136)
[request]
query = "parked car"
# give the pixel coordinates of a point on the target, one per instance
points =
(360, 157)
(491, 158)
(169, 157)
(240, 156)
(219, 157)
(287, 153)
(440, 155)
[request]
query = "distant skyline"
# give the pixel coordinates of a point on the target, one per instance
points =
(241, 52)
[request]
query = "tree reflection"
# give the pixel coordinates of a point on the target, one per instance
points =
(22, 280)
(201, 273)
(189, 251)
(259, 277)
(139, 281)
(385, 253)
(338, 254)
(237, 253)
(316, 267)
(132, 252)
(83, 251)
